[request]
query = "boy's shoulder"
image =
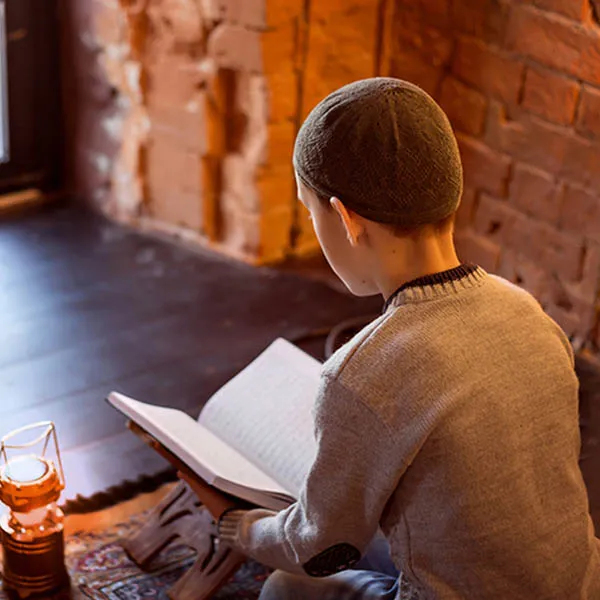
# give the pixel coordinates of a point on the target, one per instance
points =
(417, 324)
(336, 365)
(433, 345)
(507, 289)
(361, 364)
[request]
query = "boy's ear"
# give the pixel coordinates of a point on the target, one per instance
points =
(351, 224)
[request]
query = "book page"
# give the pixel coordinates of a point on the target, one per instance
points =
(207, 455)
(265, 413)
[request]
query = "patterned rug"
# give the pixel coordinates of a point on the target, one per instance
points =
(100, 569)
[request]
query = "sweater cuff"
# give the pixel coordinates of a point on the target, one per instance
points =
(227, 527)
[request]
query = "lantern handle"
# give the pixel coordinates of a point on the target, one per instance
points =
(58, 457)
(49, 427)
(50, 430)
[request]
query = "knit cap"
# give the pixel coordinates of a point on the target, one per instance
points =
(386, 149)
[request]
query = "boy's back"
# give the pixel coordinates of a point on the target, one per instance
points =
(476, 385)
(452, 420)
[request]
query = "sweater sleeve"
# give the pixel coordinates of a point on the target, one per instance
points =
(356, 469)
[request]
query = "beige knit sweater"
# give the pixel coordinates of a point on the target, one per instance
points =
(452, 423)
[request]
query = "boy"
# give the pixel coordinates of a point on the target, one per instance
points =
(450, 422)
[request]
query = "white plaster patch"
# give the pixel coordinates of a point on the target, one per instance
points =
(102, 162)
(88, 40)
(193, 106)
(114, 125)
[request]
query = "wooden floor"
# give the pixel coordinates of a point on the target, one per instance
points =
(87, 307)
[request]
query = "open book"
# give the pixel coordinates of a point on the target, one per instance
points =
(254, 438)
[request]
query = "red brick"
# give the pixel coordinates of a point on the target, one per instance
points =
(581, 213)
(484, 19)
(475, 248)
(172, 166)
(588, 119)
(495, 218)
(529, 139)
(484, 169)
(177, 21)
(526, 235)
(465, 107)
(306, 241)
(522, 272)
(336, 59)
(171, 82)
(432, 44)
(574, 9)
(249, 13)
(432, 12)
(275, 185)
(550, 95)
(555, 149)
(275, 227)
(569, 47)
(562, 253)
(490, 70)
(174, 183)
(239, 234)
(466, 211)
(280, 45)
(590, 276)
(536, 193)
(576, 323)
(510, 228)
(184, 126)
(572, 309)
(581, 162)
(278, 12)
(552, 250)
(410, 65)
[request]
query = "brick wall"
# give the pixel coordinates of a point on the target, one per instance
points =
(520, 82)
(173, 128)
(188, 109)
(184, 112)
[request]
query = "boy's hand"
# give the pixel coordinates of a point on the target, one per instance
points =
(216, 502)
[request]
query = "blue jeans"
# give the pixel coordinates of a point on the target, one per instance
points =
(373, 578)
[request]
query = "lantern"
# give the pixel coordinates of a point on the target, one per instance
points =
(31, 532)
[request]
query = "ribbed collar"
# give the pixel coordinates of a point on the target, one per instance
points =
(437, 285)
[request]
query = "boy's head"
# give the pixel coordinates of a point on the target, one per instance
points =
(376, 158)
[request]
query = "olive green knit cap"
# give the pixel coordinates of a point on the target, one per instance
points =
(386, 149)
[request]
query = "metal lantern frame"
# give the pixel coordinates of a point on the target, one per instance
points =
(49, 434)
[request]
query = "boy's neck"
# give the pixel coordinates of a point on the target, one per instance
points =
(405, 259)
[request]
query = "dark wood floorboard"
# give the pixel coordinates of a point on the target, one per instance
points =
(87, 307)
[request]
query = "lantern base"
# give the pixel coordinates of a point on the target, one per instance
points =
(32, 567)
